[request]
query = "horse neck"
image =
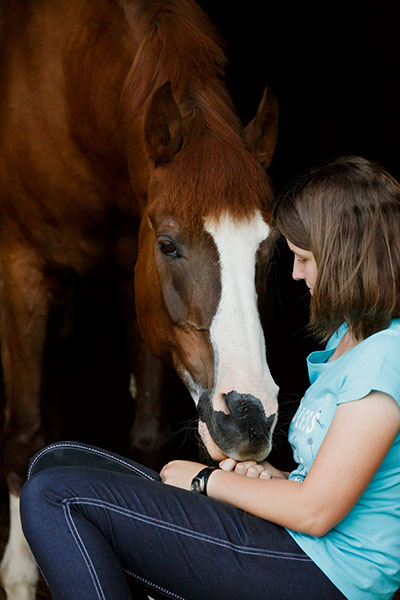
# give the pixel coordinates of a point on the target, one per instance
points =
(171, 40)
(174, 41)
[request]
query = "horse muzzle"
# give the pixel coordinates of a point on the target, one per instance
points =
(245, 433)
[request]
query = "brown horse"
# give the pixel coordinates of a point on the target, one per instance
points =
(114, 113)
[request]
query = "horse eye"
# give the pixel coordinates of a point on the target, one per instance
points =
(167, 248)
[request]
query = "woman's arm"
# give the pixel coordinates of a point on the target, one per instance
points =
(357, 441)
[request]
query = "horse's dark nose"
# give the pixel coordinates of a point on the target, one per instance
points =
(245, 432)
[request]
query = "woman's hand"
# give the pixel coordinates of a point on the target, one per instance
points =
(250, 468)
(180, 473)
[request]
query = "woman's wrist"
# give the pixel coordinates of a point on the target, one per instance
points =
(214, 483)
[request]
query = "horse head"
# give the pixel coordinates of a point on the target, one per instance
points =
(202, 236)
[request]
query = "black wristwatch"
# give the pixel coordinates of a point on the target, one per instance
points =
(199, 483)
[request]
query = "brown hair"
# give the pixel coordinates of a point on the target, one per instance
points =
(347, 212)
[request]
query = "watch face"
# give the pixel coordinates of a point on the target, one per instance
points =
(197, 485)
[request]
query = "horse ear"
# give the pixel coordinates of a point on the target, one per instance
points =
(261, 133)
(163, 127)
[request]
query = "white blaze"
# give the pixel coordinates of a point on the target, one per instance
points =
(236, 333)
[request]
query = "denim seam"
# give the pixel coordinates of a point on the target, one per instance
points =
(187, 532)
(91, 451)
(155, 586)
(85, 554)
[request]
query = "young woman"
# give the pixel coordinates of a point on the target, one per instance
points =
(331, 528)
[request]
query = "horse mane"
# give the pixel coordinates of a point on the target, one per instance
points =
(180, 44)
(178, 41)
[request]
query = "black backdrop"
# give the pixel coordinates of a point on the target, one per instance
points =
(334, 68)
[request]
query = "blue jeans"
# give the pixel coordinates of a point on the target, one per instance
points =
(96, 522)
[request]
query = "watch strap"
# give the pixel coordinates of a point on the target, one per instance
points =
(199, 482)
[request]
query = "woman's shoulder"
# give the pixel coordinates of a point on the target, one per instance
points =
(386, 339)
(372, 365)
(394, 327)
(389, 336)
(380, 347)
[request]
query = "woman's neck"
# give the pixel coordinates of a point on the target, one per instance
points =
(346, 343)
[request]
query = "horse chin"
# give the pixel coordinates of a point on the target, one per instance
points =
(213, 450)
(245, 454)
(217, 454)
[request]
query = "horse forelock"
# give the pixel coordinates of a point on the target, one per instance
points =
(212, 176)
(220, 179)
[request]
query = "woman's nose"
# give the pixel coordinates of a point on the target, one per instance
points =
(297, 272)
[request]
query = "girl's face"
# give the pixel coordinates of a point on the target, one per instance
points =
(304, 266)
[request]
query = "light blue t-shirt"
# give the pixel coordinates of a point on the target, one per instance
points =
(361, 554)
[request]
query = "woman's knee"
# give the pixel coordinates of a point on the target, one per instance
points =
(35, 488)
(41, 493)
(33, 503)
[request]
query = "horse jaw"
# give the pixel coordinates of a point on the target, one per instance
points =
(237, 338)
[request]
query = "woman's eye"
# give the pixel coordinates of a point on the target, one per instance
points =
(167, 248)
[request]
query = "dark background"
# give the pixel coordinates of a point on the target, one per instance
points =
(334, 67)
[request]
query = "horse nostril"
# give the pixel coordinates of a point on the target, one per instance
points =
(249, 417)
(248, 410)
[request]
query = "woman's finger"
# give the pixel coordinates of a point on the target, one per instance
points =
(242, 467)
(228, 464)
(254, 471)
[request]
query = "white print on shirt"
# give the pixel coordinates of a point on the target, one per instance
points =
(304, 423)
(305, 420)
